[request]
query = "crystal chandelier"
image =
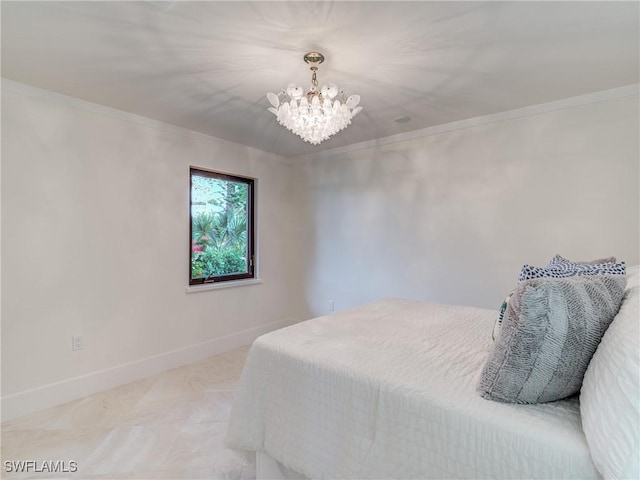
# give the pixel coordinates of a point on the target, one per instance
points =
(317, 114)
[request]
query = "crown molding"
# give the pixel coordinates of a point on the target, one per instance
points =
(538, 109)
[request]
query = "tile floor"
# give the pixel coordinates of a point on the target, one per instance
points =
(170, 426)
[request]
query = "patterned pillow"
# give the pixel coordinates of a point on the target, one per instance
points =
(560, 267)
(551, 328)
(530, 272)
(559, 260)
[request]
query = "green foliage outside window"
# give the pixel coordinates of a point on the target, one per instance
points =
(219, 228)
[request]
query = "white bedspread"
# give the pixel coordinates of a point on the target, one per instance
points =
(387, 390)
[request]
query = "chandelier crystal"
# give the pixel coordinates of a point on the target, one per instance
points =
(317, 114)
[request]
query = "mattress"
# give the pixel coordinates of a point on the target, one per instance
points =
(387, 390)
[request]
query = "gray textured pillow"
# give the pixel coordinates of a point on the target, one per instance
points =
(550, 331)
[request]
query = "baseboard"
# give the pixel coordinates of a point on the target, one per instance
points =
(40, 398)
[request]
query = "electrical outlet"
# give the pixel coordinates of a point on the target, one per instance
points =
(77, 342)
(332, 306)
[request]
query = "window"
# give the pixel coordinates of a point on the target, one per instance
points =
(222, 234)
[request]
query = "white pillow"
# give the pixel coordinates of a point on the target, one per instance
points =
(633, 276)
(610, 395)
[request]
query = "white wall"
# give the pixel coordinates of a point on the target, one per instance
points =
(451, 217)
(95, 228)
(95, 241)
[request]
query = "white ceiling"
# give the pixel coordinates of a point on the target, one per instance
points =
(206, 66)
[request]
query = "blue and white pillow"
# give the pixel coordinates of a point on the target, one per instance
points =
(571, 269)
(558, 261)
(560, 267)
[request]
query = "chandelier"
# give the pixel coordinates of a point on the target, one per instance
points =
(317, 114)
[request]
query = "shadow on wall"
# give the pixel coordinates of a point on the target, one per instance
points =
(452, 217)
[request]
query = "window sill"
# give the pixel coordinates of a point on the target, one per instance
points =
(217, 286)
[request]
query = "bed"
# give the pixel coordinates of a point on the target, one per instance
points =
(388, 390)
